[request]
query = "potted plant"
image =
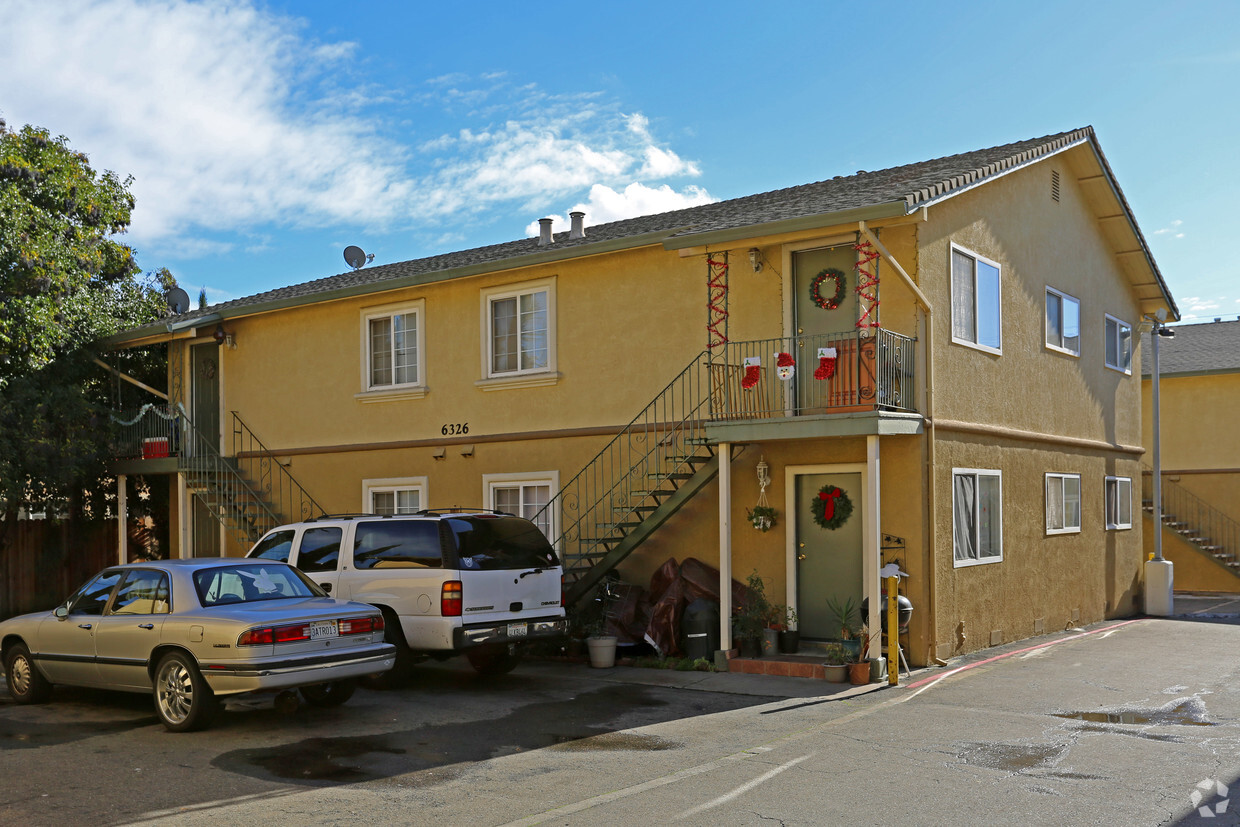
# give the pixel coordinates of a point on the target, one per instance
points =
(761, 517)
(790, 637)
(859, 668)
(591, 623)
(774, 628)
(842, 612)
(835, 662)
(753, 617)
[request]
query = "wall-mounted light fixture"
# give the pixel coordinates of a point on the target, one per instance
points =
(755, 259)
(223, 337)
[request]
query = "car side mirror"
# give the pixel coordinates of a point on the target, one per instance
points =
(61, 612)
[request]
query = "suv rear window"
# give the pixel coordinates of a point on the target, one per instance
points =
(397, 544)
(501, 543)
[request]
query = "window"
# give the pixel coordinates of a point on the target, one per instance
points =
(319, 549)
(406, 495)
(275, 546)
(1119, 502)
(976, 317)
(525, 495)
(392, 345)
(144, 592)
(977, 520)
(1063, 503)
(519, 327)
(91, 598)
(1119, 344)
(400, 544)
(1063, 322)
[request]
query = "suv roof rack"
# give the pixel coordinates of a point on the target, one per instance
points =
(456, 509)
(344, 516)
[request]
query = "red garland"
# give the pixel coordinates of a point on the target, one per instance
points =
(867, 282)
(716, 303)
(815, 289)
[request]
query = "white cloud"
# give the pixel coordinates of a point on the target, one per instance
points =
(1172, 229)
(606, 205)
(1198, 304)
(232, 119)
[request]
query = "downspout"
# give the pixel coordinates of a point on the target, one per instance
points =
(927, 312)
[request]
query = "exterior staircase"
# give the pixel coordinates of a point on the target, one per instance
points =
(249, 493)
(647, 473)
(1203, 526)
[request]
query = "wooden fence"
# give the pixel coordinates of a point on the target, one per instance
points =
(45, 560)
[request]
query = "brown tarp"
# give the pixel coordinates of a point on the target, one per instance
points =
(673, 587)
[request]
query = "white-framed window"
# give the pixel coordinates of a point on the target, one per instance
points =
(1063, 503)
(1118, 344)
(518, 323)
(403, 495)
(525, 495)
(1063, 322)
(977, 319)
(393, 344)
(977, 516)
(1118, 495)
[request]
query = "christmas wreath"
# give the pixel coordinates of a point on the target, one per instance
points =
(831, 507)
(815, 288)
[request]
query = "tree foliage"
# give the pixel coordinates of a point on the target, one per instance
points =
(65, 283)
(58, 253)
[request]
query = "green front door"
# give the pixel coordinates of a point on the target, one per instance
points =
(818, 322)
(828, 563)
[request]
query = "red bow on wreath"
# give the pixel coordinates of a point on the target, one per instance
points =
(828, 509)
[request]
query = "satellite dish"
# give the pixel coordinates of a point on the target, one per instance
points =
(357, 257)
(178, 300)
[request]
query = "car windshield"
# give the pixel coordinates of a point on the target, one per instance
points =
(501, 543)
(221, 585)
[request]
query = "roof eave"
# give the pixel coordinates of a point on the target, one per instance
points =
(871, 212)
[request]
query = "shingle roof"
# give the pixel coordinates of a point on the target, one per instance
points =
(1196, 348)
(905, 188)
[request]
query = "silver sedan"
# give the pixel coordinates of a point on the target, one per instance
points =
(194, 631)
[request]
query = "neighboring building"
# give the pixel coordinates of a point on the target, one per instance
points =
(962, 336)
(1199, 390)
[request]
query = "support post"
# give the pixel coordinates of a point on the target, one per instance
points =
(870, 556)
(122, 510)
(1159, 573)
(725, 547)
(893, 630)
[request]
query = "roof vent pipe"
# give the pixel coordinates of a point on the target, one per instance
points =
(578, 229)
(544, 232)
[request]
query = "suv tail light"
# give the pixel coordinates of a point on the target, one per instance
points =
(450, 599)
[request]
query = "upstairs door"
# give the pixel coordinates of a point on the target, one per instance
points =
(205, 393)
(829, 267)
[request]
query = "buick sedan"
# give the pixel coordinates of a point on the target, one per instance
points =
(194, 631)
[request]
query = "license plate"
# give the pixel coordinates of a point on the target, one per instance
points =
(320, 629)
(516, 630)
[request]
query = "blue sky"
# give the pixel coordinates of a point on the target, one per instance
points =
(264, 137)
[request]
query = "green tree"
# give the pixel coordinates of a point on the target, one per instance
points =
(58, 222)
(65, 283)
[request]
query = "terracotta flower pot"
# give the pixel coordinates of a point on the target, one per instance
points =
(859, 673)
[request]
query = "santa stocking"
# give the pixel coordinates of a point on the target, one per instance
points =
(826, 363)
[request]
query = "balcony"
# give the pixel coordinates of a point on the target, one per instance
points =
(871, 388)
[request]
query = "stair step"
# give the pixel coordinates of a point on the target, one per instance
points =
(653, 492)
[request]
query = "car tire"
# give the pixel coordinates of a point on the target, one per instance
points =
(183, 701)
(328, 694)
(495, 658)
(26, 683)
(402, 667)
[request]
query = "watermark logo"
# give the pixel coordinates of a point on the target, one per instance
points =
(1210, 798)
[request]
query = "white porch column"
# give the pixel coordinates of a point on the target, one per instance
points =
(182, 517)
(871, 557)
(725, 546)
(122, 508)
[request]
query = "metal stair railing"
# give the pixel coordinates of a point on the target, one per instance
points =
(636, 471)
(259, 465)
(1203, 525)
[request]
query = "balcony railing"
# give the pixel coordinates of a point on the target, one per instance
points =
(869, 373)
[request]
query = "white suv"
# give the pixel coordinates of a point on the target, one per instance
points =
(471, 582)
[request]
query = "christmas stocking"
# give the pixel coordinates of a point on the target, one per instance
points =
(752, 374)
(826, 363)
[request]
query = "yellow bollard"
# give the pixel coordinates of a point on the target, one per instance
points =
(893, 631)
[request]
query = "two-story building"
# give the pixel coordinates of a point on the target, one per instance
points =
(932, 364)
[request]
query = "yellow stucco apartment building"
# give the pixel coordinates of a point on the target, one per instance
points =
(932, 364)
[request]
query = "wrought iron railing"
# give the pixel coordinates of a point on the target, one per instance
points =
(216, 481)
(153, 432)
(665, 444)
(1197, 521)
(269, 476)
